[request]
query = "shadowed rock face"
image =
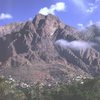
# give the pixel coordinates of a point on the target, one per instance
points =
(48, 51)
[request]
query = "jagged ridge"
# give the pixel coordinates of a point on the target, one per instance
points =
(28, 51)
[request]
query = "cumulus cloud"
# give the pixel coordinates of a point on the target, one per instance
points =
(5, 16)
(76, 44)
(59, 6)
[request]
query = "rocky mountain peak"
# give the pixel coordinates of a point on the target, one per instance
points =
(47, 50)
(47, 24)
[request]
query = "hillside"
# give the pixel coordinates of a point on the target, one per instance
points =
(47, 50)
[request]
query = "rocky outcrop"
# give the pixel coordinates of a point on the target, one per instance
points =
(49, 51)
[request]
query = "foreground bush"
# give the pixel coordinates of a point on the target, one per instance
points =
(90, 90)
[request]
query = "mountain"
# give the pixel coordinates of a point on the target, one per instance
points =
(48, 51)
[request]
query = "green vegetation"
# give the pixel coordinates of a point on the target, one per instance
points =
(90, 90)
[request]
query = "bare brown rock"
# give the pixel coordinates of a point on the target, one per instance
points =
(29, 53)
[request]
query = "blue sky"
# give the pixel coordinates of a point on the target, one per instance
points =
(77, 13)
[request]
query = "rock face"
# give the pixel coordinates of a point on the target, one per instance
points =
(49, 51)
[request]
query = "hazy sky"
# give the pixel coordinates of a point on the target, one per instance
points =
(77, 13)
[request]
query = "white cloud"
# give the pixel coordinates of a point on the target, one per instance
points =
(81, 26)
(5, 16)
(90, 23)
(45, 11)
(80, 45)
(59, 6)
(92, 8)
(76, 44)
(86, 6)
